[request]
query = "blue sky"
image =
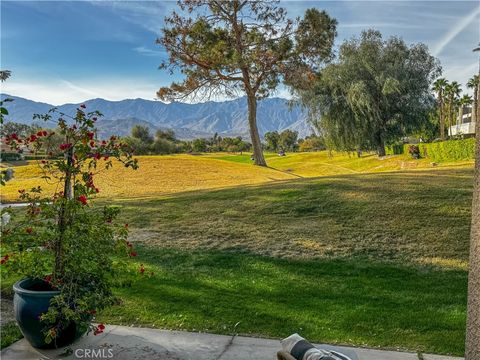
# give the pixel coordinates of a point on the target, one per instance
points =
(70, 51)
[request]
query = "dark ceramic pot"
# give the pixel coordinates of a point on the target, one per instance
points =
(32, 299)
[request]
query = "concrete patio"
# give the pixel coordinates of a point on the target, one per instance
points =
(129, 343)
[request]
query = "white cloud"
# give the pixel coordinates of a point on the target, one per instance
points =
(148, 15)
(62, 91)
(455, 30)
(142, 50)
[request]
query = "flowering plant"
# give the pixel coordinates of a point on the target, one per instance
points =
(63, 240)
(414, 151)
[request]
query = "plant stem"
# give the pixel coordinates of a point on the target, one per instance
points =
(62, 218)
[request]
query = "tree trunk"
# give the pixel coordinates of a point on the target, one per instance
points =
(252, 122)
(475, 107)
(460, 115)
(476, 102)
(441, 110)
(380, 145)
(472, 345)
(62, 217)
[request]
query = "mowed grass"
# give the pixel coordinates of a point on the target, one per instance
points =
(375, 260)
(167, 175)
(362, 256)
(361, 303)
(157, 176)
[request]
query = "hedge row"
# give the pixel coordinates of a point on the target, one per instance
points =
(450, 150)
(10, 156)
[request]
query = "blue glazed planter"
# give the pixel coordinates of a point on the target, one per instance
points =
(28, 305)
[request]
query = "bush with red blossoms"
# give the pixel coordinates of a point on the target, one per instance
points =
(66, 240)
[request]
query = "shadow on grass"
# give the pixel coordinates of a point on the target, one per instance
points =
(409, 216)
(354, 301)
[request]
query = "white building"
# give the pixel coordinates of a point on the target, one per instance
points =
(465, 125)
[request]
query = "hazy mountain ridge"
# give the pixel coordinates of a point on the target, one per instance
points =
(227, 118)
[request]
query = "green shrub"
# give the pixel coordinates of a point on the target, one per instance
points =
(395, 149)
(450, 150)
(10, 156)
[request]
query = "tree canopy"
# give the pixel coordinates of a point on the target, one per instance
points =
(374, 93)
(246, 47)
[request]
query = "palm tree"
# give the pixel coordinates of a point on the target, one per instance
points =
(452, 92)
(439, 88)
(474, 83)
(4, 75)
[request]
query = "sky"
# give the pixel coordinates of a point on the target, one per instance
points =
(70, 51)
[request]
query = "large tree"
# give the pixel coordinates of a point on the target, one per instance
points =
(472, 343)
(472, 349)
(376, 92)
(246, 47)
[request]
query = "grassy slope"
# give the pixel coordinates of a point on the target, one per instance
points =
(181, 173)
(364, 259)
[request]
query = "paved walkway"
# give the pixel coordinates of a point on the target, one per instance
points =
(129, 343)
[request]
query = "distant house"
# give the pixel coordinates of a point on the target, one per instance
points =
(464, 125)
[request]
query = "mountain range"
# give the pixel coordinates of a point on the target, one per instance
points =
(188, 121)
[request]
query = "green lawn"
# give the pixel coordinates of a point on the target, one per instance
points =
(357, 302)
(373, 260)
(370, 260)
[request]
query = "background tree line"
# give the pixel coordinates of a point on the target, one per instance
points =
(450, 104)
(165, 142)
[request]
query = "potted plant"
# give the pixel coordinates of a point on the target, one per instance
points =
(67, 249)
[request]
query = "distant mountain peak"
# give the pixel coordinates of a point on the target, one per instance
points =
(227, 118)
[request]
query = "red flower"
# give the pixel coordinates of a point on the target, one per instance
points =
(44, 161)
(4, 259)
(65, 146)
(90, 135)
(97, 156)
(99, 329)
(126, 226)
(48, 279)
(45, 133)
(33, 138)
(133, 253)
(29, 230)
(92, 143)
(82, 199)
(142, 269)
(92, 312)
